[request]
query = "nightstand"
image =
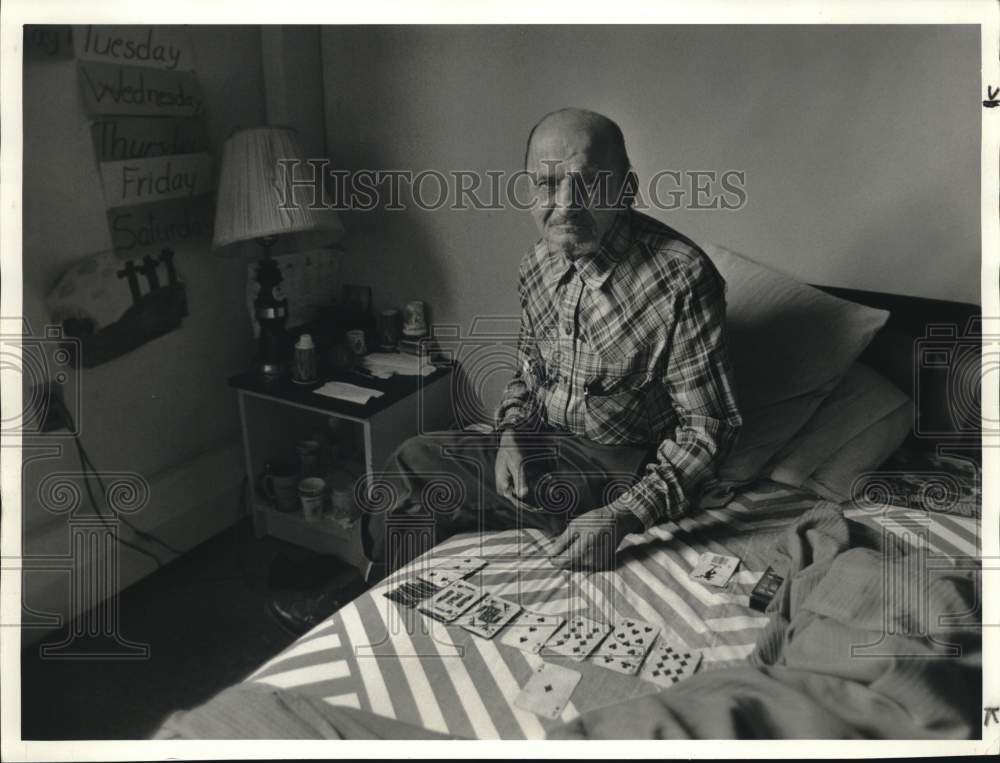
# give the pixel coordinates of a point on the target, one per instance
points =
(275, 415)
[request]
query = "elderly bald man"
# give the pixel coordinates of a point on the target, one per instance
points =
(621, 405)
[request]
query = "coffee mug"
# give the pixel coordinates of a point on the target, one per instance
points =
(280, 485)
(312, 496)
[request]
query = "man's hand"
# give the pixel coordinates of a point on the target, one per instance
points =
(509, 470)
(589, 542)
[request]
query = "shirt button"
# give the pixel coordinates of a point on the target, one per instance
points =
(567, 329)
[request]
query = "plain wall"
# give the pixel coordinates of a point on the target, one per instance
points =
(860, 145)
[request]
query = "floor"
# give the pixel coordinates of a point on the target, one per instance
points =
(206, 621)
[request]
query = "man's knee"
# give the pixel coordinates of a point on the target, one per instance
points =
(417, 452)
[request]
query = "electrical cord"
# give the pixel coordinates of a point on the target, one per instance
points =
(89, 469)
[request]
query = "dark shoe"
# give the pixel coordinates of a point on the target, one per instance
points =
(300, 611)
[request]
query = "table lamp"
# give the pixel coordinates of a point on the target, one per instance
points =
(257, 201)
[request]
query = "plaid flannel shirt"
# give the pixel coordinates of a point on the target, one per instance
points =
(629, 346)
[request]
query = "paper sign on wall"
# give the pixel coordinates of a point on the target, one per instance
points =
(138, 181)
(117, 138)
(47, 41)
(137, 229)
(159, 47)
(138, 90)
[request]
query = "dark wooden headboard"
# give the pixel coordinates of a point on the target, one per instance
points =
(930, 349)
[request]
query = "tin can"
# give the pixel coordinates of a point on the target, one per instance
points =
(304, 369)
(388, 329)
(312, 496)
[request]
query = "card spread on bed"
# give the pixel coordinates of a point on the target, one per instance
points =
(452, 601)
(489, 616)
(714, 569)
(530, 631)
(439, 577)
(409, 593)
(578, 638)
(627, 645)
(669, 664)
(548, 690)
(465, 565)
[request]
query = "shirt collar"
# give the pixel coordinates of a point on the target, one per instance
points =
(594, 269)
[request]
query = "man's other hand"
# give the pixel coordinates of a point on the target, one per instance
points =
(509, 470)
(590, 541)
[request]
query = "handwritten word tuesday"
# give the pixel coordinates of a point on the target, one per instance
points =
(100, 43)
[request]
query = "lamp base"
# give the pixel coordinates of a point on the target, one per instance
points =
(271, 311)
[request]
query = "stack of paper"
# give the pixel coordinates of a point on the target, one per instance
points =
(407, 365)
(352, 393)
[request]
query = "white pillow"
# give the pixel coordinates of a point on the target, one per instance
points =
(790, 344)
(862, 453)
(863, 396)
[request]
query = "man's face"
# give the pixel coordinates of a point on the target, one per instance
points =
(576, 182)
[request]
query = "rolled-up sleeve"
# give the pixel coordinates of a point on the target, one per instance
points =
(698, 378)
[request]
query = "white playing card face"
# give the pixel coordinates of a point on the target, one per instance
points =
(627, 665)
(548, 690)
(629, 640)
(489, 616)
(439, 577)
(530, 631)
(577, 639)
(452, 601)
(714, 569)
(668, 664)
(465, 565)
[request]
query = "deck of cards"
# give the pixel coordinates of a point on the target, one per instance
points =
(714, 569)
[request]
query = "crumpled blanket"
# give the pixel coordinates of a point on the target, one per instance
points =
(249, 711)
(869, 638)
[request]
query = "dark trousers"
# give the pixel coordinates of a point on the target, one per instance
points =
(439, 484)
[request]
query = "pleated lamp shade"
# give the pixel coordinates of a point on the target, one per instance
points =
(253, 187)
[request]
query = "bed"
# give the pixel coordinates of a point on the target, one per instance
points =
(378, 670)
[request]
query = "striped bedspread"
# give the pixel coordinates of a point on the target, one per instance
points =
(379, 657)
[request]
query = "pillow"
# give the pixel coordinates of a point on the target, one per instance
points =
(863, 452)
(790, 344)
(863, 396)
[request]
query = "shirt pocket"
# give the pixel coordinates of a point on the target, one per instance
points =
(614, 399)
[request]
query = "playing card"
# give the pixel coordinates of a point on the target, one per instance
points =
(667, 664)
(623, 664)
(629, 639)
(450, 602)
(530, 631)
(578, 638)
(548, 690)
(439, 577)
(411, 592)
(714, 569)
(465, 565)
(487, 617)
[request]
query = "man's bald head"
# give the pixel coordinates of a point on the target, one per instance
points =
(580, 173)
(604, 132)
